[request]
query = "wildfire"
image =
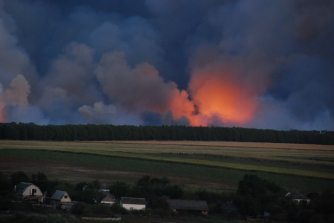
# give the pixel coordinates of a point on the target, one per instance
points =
(1, 116)
(220, 97)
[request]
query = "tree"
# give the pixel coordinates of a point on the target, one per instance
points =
(19, 177)
(160, 202)
(42, 181)
(145, 187)
(174, 192)
(5, 186)
(120, 189)
(256, 195)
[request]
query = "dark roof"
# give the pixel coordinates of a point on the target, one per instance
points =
(58, 195)
(132, 200)
(107, 197)
(299, 196)
(189, 205)
(20, 188)
(285, 193)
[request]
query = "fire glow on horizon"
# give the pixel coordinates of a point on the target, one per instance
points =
(216, 98)
(218, 95)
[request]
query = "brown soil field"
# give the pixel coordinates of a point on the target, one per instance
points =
(123, 144)
(68, 172)
(231, 144)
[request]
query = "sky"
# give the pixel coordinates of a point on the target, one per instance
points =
(255, 64)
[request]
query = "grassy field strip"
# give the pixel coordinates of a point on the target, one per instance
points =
(234, 151)
(274, 154)
(305, 157)
(237, 166)
(321, 161)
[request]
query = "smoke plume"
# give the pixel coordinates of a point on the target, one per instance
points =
(167, 62)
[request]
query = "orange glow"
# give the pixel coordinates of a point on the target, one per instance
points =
(181, 106)
(220, 97)
(1, 115)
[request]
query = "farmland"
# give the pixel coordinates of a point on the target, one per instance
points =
(214, 165)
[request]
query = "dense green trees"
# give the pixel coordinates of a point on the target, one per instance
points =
(256, 195)
(120, 189)
(5, 185)
(30, 131)
(19, 177)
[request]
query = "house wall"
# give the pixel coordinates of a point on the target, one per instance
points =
(54, 202)
(134, 206)
(300, 200)
(65, 199)
(27, 191)
(107, 202)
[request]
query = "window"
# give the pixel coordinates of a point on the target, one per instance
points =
(33, 191)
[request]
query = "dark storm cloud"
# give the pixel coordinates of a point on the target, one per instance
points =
(131, 62)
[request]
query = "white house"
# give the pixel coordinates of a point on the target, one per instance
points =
(61, 199)
(131, 203)
(28, 191)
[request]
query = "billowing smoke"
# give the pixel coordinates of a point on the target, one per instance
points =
(166, 62)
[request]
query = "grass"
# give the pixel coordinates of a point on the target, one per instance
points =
(311, 163)
(203, 174)
(291, 165)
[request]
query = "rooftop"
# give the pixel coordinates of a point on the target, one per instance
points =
(132, 200)
(20, 188)
(189, 205)
(58, 195)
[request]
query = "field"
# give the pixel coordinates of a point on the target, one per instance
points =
(211, 165)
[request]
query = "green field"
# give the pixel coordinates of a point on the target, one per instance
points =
(214, 165)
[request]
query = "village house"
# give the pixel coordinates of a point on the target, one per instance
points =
(297, 197)
(61, 199)
(104, 188)
(107, 199)
(189, 206)
(28, 191)
(131, 203)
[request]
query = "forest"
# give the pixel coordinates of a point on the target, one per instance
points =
(92, 132)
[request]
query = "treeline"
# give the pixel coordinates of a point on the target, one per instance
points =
(90, 132)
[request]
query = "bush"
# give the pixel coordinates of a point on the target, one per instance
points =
(5, 204)
(81, 209)
(101, 210)
(116, 208)
(160, 202)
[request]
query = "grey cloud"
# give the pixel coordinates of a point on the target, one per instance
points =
(18, 92)
(136, 88)
(99, 108)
